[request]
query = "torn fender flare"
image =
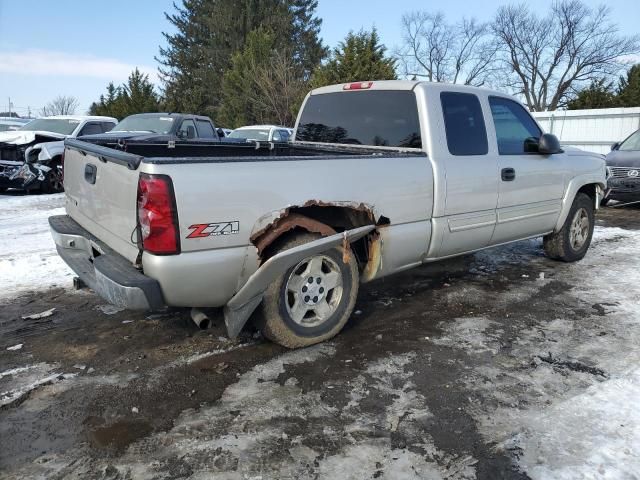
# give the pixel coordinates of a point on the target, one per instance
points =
(241, 306)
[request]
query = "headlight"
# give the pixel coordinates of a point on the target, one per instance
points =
(608, 173)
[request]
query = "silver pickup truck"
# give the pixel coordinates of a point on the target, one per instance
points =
(380, 177)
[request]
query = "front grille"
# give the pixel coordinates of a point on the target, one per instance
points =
(11, 153)
(623, 172)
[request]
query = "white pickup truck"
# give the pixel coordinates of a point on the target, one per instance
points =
(380, 177)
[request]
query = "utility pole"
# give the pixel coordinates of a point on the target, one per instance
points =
(9, 107)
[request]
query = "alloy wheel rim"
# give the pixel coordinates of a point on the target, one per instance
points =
(313, 291)
(579, 231)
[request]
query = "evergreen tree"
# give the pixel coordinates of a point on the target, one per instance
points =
(599, 94)
(210, 32)
(359, 57)
(629, 88)
(135, 96)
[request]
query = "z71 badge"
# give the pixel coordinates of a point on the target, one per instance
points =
(201, 230)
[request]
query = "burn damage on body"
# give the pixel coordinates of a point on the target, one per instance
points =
(328, 218)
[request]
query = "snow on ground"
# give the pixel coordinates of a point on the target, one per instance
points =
(570, 407)
(28, 257)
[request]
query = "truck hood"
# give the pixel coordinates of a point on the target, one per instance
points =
(19, 137)
(628, 158)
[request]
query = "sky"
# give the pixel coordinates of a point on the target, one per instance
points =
(72, 47)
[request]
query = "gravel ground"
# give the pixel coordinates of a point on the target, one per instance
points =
(502, 364)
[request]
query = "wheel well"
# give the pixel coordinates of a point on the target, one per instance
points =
(325, 219)
(589, 189)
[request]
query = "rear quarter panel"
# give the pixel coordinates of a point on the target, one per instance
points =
(255, 192)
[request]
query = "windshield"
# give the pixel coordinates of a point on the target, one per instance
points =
(261, 134)
(632, 142)
(64, 126)
(141, 123)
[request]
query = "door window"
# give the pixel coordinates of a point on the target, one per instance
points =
(91, 128)
(517, 133)
(205, 129)
(464, 124)
(187, 130)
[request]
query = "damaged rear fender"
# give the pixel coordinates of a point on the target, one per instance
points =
(243, 303)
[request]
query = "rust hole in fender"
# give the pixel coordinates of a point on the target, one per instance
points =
(326, 219)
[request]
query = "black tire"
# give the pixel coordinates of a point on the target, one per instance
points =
(3, 189)
(604, 202)
(275, 318)
(52, 182)
(571, 243)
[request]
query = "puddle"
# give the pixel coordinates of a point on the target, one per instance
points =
(119, 435)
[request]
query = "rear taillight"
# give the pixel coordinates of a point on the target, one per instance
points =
(357, 86)
(157, 215)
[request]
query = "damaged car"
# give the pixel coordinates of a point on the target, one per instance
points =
(31, 156)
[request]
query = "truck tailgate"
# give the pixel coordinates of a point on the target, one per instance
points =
(101, 186)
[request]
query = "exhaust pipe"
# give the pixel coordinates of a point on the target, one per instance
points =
(200, 318)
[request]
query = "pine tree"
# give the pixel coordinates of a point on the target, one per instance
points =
(629, 88)
(359, 57)
(210, 32)
(135, 96)
(599, 94)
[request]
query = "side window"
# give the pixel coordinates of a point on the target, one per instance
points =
(107, 126)
(188, 130)
(464, 124)
(516, 131)
(276, 136)
(284, 135)
(90, 128)
(205, 129)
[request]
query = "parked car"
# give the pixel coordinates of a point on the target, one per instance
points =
(12, 123)
(623, 170)
(381, 177)
(262, 133)
(31, 157)
(160, 127)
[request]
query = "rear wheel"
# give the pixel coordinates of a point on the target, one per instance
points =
(52, 182)
(572, 241)
(312, 301)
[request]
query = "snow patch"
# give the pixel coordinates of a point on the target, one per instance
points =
(28, 257)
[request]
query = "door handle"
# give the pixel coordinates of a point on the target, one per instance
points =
(90, 171)
(508, 174)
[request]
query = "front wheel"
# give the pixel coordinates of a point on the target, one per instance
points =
(572, 241)
(312, 301)
(52, 182)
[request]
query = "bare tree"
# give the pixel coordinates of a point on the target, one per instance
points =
(278, 89)
(548, 58)
(441, 52)
(61, 105)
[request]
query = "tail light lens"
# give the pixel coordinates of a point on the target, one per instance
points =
(157, 215)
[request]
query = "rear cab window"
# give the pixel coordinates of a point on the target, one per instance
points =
(464, 124)
(375, 118)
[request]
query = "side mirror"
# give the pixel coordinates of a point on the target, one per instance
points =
(615, 146)
(549, 144)
(220, 133)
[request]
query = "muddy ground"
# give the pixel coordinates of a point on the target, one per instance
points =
(503, 364)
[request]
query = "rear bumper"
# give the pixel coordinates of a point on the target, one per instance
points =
(109, 274)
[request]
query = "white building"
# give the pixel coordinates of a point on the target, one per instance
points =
(594, 130)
